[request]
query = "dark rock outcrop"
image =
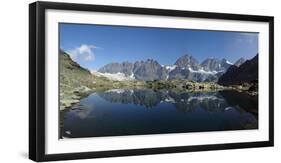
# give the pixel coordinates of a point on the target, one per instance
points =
(245, 73)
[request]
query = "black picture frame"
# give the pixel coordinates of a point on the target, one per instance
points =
(37, 80)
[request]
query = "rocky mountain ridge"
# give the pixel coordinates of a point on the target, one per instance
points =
(185, 67)
(245, 73)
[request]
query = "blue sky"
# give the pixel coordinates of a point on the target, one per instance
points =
(93, 46)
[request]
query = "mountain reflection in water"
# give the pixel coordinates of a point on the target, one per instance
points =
(145, 111)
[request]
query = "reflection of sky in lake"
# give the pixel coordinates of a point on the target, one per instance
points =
(136, 112)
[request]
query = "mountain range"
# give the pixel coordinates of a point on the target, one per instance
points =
(185, 67)
(76, 81)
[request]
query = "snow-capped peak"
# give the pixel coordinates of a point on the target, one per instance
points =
(171, 68)
(117, 76)
(229, 62)
(201, 71)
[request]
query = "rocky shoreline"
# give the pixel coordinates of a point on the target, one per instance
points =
(184, 85)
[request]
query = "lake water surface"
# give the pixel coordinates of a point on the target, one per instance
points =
(137, 112)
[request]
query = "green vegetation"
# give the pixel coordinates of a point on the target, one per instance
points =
(75, 81)
(102, 84)
(184, 85)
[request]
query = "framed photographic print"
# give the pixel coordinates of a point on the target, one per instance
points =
(117, 81)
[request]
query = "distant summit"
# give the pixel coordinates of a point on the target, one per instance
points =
(113, 68)
(214, 64)
(187, 61)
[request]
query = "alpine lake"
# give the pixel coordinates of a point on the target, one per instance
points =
(123, 112)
